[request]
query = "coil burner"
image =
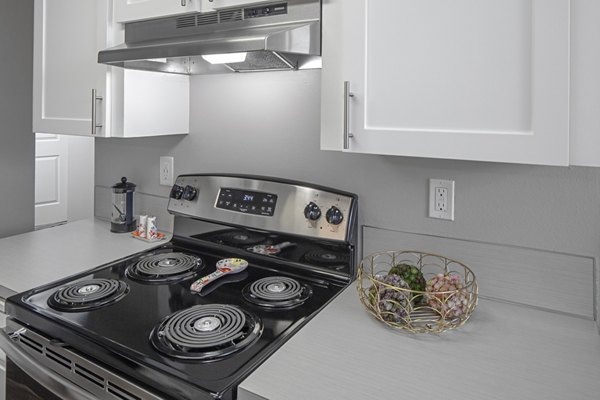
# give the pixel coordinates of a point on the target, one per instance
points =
(88, 295)
(277, 292)
(241, 238)
(206, 332)
(327, 258)
(165, 267)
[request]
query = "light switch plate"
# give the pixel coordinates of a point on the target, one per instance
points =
(441, 199)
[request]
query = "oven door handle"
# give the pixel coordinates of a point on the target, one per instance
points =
(52, 381)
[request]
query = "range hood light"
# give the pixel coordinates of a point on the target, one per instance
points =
(159, 60)
(226, 58)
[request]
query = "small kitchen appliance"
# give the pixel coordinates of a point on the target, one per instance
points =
(122, 219)
(144, 328)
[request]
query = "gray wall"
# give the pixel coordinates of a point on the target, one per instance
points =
(17, 144)
(80, 197)
(268, 124)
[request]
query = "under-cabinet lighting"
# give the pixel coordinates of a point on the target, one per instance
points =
(226, 58)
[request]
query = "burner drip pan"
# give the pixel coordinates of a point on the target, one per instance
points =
(165, 267)
(206, 332)
(277, 292)
(88, 295)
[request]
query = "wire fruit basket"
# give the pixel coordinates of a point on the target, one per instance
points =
(417, 292)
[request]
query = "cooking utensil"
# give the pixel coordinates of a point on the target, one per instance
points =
(230, 278)
(270, 249)
(224, 267)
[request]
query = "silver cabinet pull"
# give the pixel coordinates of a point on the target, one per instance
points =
(95, 123)
(183, 3)
(347, 133)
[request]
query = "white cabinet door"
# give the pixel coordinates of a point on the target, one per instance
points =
(134, 10)
(68, 36)
(138, 103)
(465, 79)
(65, 66)
(585, 83)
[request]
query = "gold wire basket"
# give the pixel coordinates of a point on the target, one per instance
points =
(447, 301)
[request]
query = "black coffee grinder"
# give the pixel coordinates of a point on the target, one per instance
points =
(122, 207)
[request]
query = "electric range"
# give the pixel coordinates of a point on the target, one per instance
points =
(135, 329)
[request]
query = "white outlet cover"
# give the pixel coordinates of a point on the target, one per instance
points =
(166, 171)
(435, 212)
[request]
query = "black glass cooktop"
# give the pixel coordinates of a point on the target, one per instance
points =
(330, 256)
(119, 334)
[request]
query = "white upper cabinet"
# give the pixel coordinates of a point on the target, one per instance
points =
(465, 79)
(134, 10)
(65, 67)
(585, 83)
(68, 35)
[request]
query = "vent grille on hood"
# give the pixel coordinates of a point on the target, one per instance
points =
(231, 15)
(190, 21)
(186, 22)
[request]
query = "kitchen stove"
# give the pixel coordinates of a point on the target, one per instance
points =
(133, 329)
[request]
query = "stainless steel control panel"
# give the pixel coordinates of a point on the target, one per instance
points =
(265, 204)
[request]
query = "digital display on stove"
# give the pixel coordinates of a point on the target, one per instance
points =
(247, 202)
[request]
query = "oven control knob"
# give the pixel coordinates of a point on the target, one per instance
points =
(312, 211)
(176, 192)
(189, 193)
(334, 216)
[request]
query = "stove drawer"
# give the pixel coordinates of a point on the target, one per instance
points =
(38, 368)
(20, 385)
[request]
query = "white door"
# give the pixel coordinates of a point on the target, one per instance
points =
(51, 166)
(65, 66)
(464, 79)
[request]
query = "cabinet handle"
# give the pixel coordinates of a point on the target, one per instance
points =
(347, 133)
(183, 3)
(95, 124)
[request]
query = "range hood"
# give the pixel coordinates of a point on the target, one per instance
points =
(262, 37)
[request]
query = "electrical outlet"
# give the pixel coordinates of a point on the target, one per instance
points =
(166, 171)
(441, 199)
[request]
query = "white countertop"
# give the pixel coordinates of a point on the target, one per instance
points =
(503, 352)
(39, 257)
